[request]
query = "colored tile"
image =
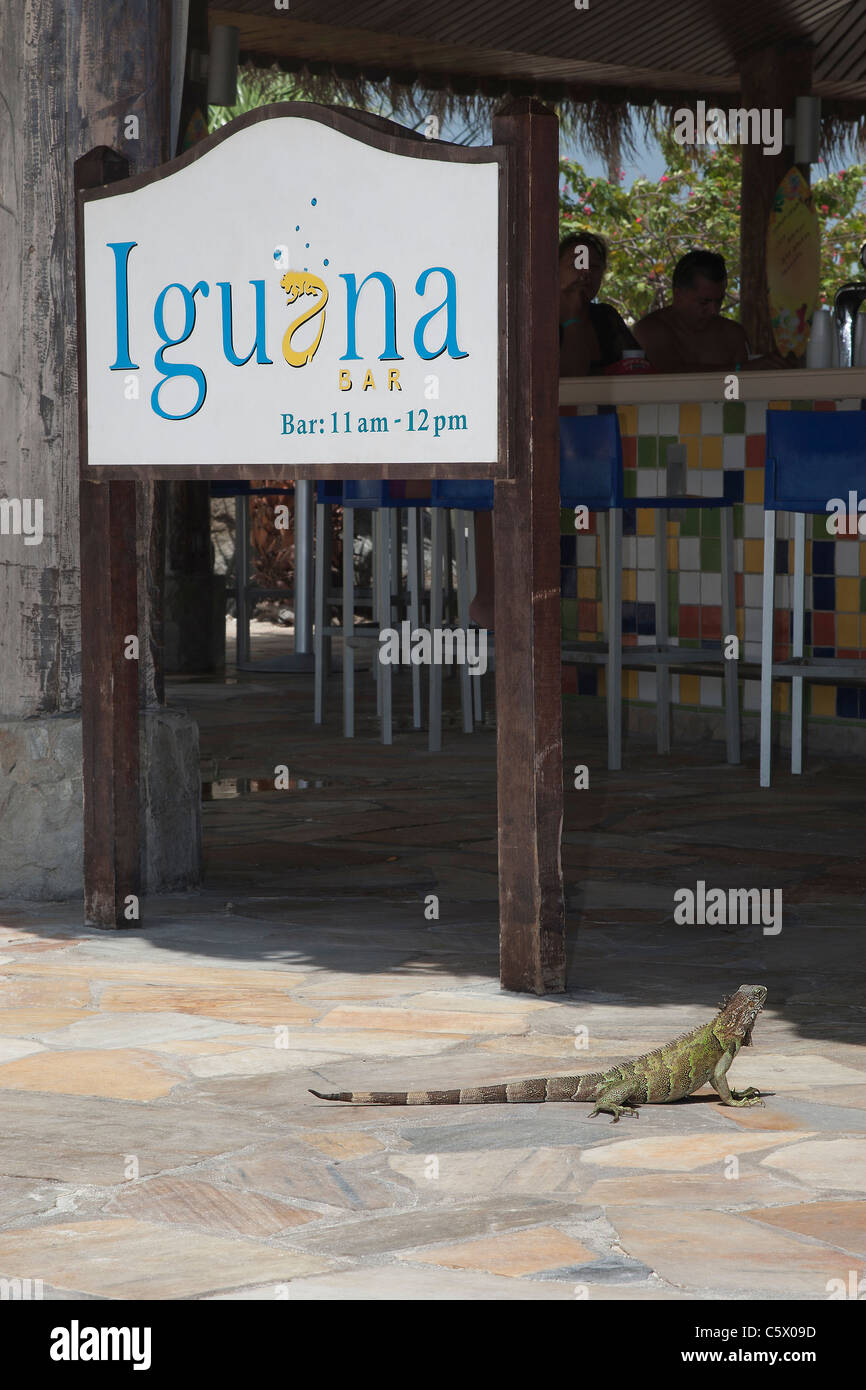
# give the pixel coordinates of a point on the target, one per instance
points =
(689, 620)
(690, 419)
(738, 512)
(823, 557)
(587, 582)
(756, 450)
(711, 452)
(778, 405)
(568, 609)
(846, 702)
(568, 549)
(847, 595)
(646, 521)
(711, 522)
(753, 487)
(711, 622)
(733, 417)
(753, 556)
(824, 594)
(711, 554)
(629, 451)
(690, 690)
(734, 486)
(672, 554)
(689, 523)
(647, 451)
(587, 614)
(781, 697)
(629, 585)
(823, 700)
(627, 419)
(824, 629)
(781, 557)
(567, 583)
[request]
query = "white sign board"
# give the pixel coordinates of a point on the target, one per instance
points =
(295, 296)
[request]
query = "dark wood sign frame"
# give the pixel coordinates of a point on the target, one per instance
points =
(526, 549)
(368, 130)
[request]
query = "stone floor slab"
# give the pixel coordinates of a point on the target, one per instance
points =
(122, 1074)
(676, 1154)
(829, 1164)
(185, 1202)
(842, 1224)
(122, 1258)
(514, 1253)
(728, 1253)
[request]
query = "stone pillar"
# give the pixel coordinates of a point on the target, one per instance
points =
(72, 74)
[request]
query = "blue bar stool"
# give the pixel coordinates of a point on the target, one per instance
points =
(591, 475)
(464, 498)
(812, 458)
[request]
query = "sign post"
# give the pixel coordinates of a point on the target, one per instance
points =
(315, 292)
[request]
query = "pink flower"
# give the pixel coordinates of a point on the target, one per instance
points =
(587, 208)
(824, 207)
(638, 219)
(664, 179)
(841, 173)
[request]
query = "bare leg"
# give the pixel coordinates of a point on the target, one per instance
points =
(481, 609)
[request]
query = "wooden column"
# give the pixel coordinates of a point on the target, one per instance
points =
(771, 77)
(526, 566)
(109, 679)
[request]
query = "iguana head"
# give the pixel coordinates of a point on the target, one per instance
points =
(737, 1014)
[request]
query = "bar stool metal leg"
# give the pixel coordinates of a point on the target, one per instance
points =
(797, 640)
(663, 671)
(461, 518)
(320, 646)
(385, 595)
(473, 588)
(415, 586)
(242, 579)
(614, 658)
(377, 534)
(767, 644)
(438, 521)
(729, 629)
(348, 622)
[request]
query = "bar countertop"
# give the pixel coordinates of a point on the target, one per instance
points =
(648, 388)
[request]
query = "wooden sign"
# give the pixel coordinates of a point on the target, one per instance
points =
(303, 291)
(793, 263)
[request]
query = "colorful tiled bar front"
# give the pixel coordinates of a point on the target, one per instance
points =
(725, 450)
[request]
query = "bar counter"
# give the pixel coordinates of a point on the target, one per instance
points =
(724, 442)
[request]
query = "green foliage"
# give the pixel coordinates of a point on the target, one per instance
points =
(696, 203)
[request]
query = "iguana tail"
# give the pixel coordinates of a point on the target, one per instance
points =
(538, 1088)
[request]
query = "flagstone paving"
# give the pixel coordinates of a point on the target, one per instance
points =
(157, 1135)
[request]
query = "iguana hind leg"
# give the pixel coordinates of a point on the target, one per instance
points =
(615, 1101)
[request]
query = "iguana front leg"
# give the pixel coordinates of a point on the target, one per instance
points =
(750, 1096)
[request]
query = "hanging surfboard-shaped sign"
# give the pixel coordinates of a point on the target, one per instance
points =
(793, 263)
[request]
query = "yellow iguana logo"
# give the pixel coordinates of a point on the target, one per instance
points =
(297, 283)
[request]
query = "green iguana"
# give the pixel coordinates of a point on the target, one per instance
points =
(670, 1073)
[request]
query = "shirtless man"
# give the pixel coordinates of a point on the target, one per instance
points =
(690, 335)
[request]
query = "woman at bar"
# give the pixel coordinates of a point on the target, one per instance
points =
(591, 337)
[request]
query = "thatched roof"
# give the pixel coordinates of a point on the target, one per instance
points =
(606, 69)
